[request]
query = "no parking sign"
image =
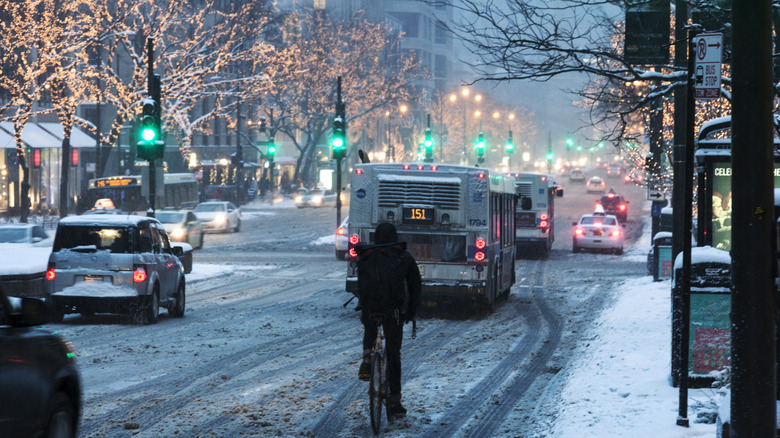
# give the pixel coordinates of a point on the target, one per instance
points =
(708, 56)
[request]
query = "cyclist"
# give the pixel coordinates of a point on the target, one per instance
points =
(403, 281)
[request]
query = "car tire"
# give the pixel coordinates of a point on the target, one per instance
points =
(61, 417)
(152, 308)
(180, 300)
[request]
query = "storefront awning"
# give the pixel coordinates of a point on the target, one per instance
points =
(43, 135)
(6, 140)
(78, 138)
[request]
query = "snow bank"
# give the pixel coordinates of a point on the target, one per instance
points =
(22, 259)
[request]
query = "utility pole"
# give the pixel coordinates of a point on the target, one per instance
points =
(339, 144)
(239, 161)
(753, 379)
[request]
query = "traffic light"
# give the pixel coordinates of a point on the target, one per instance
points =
(149, 132)
(271, 149)
(338, 142)
(549, 156)
(428, 144)
(510, 146)
(569, 143)
(480, 146)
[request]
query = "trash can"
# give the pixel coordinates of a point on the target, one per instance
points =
(662, 256)
(709, 328)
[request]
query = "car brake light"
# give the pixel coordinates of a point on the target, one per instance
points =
(598, 224)
(579, 231)
(50, 274)
(480, 243)
(615, 233)
(139, 274)
(622, 207)
(627, 178)
(352, 253)
(340, 231)
(354, 239)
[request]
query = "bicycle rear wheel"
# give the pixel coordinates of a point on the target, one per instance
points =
(376, 392)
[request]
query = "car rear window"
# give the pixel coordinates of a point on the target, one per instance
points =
(13, 235)
(92, 238)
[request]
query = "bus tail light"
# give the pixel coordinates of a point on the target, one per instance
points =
(543, 223)
(50, 274)
(139, 274)
(354, 239)
(352, 253)
(479, 256)
(622, 207)
(480, 243)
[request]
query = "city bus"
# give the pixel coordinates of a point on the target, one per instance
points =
(181, 191)
(535, 214)
(457, 222)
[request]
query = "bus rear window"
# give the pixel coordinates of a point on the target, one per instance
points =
(435, 248)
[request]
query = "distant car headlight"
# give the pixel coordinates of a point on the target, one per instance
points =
(220, 219)
(178, 233)
(317, 199)
(298, 199)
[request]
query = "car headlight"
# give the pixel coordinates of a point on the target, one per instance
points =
(178, 233)
(317, 199)
(220, 219)
(298, 198)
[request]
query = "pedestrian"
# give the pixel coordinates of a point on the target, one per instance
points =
(389, 283)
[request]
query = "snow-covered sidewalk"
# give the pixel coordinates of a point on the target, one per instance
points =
(620, 383)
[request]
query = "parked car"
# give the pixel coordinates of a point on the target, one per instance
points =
(182, 226)
(39, 381)
(576, 175)
(598, 231)
(595, 184)
(342, 239)
(114, 264)
(27, 234)
(315, 198)
(220, 216)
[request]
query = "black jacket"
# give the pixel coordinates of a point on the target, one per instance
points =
(408, 267)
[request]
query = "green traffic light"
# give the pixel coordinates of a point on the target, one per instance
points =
(549, 156)
(428, 143)
(148, 134)
(337, 142)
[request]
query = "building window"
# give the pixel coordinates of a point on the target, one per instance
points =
(441, 34)
(319, 4)
(410, 23)
(440, 67)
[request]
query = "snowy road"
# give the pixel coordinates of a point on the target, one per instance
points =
(266, 348)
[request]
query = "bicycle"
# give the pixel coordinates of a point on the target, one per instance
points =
(378, 387)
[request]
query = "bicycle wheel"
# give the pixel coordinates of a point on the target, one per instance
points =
(375, 392)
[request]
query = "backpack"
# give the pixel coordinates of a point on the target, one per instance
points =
(381, 283)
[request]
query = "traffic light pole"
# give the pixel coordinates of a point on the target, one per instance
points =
(151, 82)
(340, 114)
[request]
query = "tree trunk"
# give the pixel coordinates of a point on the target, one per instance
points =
(65, 172)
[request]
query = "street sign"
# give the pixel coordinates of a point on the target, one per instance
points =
(655, 210)
(655, 195)
(708, 57)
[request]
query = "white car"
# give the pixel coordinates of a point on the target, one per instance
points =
(342, 239)
(220, 216)
(598, 231)
(596, 184)
(27, 234)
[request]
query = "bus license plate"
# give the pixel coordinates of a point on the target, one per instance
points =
(418, 215)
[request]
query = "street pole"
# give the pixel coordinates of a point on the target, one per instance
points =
(680, 91)
(150, 86)
(753, 379)
(239, 170)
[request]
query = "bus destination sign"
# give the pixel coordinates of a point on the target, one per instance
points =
(115, 182)
(418, 215)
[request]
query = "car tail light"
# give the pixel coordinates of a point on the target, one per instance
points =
(615, 233)
(354, 239)
(480, 243)
(139, 274)
(341, 231)
(420, 167)
(50, 274)
(359, 171)
(622, 207)
(406, 167)
(480, 175)
(579, 231)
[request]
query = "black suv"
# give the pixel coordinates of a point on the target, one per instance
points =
(614, 204)
(39, 382)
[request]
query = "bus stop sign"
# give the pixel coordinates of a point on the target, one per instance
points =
(708, 57)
